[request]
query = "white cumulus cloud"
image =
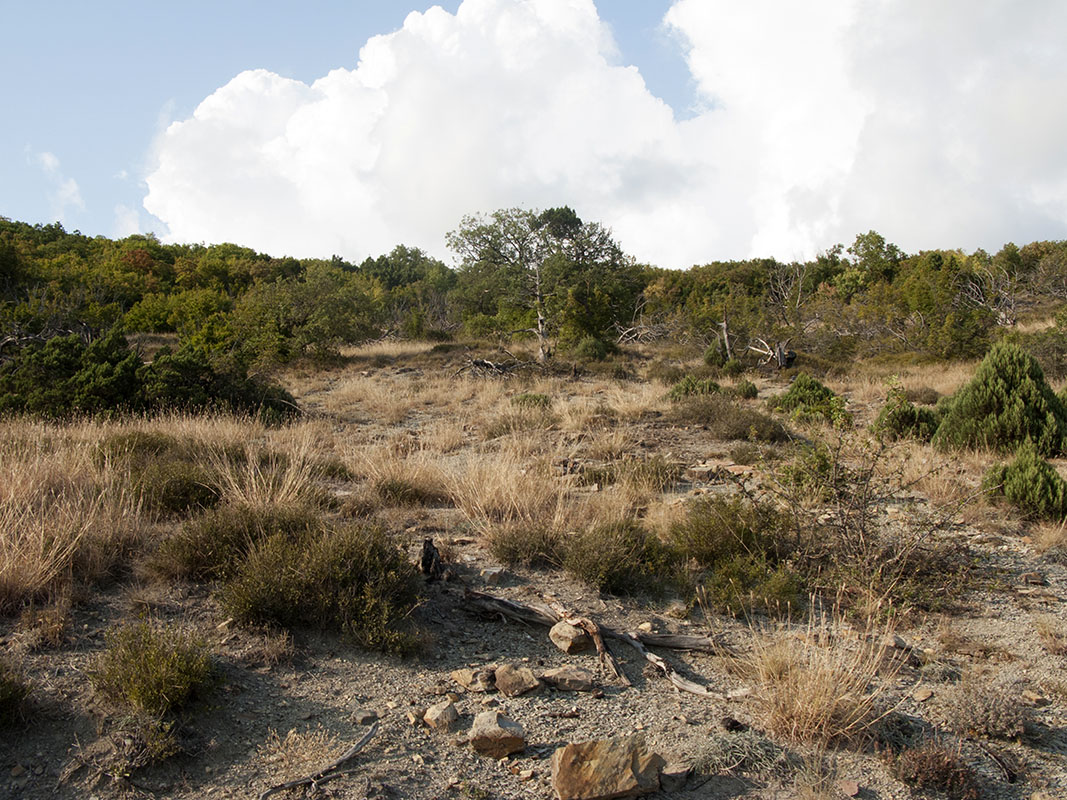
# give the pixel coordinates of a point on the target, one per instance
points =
(939, 124)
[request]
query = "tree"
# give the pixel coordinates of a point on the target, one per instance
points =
(544, 270)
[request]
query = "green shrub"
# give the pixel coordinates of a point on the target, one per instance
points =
(215, 544)
(746, 583)
(620, 558)
(1006, 403)
(591, 349)
(733, 367)
(531, 400)
(521, 545)
(899, 419)
(807, 399)
(690, 386)
(923, 395)
(716, 528)
(1030, 483)
(746, 389)
(353, 579)
(153, 670)
(714, 357)
(727, 421)
(14, 691)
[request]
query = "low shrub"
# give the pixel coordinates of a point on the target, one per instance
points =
(214, 545)
(1006, 403)
(690, 386)
(899, 419)
(727, 421)
(1030, 483)
(151, 669)
(714, 357)
(746, 389)
(745, 752)
(620, 558)
(979, 707)
(402, 491)
(717, 528)
(935, 767)
(14, 692)
(353, 579)
(747, 583)
(923, 395)
(733, 367)
(808, 400)
(591, 349)
(531, 400)
(176, 487)
(523, 545)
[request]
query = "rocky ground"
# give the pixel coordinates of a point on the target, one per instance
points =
(278, 715)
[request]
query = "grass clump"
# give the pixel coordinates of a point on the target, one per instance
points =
(175, 488)
(14, 692)
(900, 419)
(151, 669)
(620, 558)
(1006, 403)
(746, 389)
(933, 766)
(727, 421)
(691, 386)
(1030, 483)
(808, 400)
(746, 752)
(353, 579)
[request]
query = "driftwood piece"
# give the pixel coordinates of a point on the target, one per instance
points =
(542, 615)
(327, 773)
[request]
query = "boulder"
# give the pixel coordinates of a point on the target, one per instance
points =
(571, 679)
(513, 680)
(568, 638)
(605, 769)
(496, 735)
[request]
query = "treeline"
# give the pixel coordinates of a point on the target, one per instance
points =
(548, 276)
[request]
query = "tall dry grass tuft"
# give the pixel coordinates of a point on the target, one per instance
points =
(824, 685)
(401, 474)
(253, 477)
(65, 515)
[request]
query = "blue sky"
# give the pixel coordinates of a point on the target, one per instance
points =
(763, 128)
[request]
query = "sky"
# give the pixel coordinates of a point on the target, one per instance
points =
(696, 130)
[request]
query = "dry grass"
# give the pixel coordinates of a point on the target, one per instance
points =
(1052, 635)
(389, 348)
(300, 753)
(256, 478)
(400, 473)
(632, 401)
(822, 686)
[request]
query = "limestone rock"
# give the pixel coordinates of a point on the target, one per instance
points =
(496, 735)
(442, 716)
(513, 680)
(605, 768)
(364, 716)
(571, 679)
(474, 680)
(568, 638)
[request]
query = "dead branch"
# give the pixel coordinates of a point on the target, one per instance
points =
(543, 615)
(327, 773)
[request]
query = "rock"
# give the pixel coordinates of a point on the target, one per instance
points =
(496, 735)
(513, 681)
(442, 716)
(605, 768)
(674, 776)
(570, 679)
(415, 717)
(568, 638)
(922, 695)
(364, 716)
(645, 627)
(493, 576)
(848, 788)
(480, 680)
